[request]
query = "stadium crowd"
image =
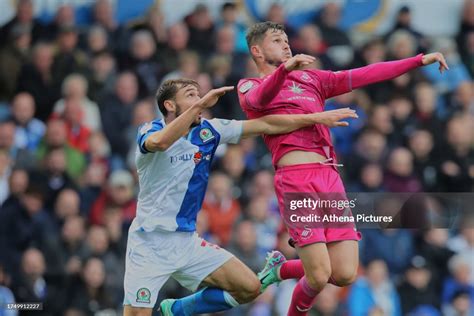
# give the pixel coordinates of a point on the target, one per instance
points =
(72, 98)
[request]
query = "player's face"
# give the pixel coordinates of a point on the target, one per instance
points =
(185, 98)
(275, 48)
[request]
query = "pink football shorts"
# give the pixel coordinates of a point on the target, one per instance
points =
(312, 178)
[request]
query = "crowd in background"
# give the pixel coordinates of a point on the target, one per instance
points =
(72, 99)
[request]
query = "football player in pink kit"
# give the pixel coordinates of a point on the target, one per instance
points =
(305, 160)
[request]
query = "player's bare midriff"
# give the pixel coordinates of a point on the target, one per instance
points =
(296, 157)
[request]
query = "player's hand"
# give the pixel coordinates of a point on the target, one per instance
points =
(212, 96)
(432, 58)
(299, 61)
(333, 118)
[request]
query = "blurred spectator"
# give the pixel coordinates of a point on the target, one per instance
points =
(381, 121)
(379, 244)
(39, 79)
(23, 225)
(25, 18)
(225, 45)
(266, 223)
(343, 138)
(89, 294)
(98, 245)
(66, 205)
(201, 30)
(77, 133)
(221, 208)
(421, 144)
(416, 289)
(188, 67)
(230, 17)
(310, 42)
(29, 130)
(457, 156)
(56, 138)
(404, 22)
(74, 89)
(64, 17)
(144, 62)
(119, 193)
(103, 75)
(401, 44)
(403, 119)
(20, 158)
(178, 35)
(461, 274)
(103, 14)
(13, 56)
(6, 295)
(17, 184)
(337, 40)
(465, 36)
(460, 304)
(54, 175)
(244, 245)
(153, 21)
(71, 245)
(97, 41)
(35, 286)
(426, 109)
(463, 100)
(433, 247)
(276, 13)
(68, 58)
(464, 241)
(370, 146)
(370, 179)
(374, 291)
(116, 114)
(400, 176)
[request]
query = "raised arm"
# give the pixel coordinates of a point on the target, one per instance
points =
(257, 97)
(164, 138)
(336, 83)
(286, 123)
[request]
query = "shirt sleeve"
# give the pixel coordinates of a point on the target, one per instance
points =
(255, 95)
(145, 131)
(340, 82)
(230, 131)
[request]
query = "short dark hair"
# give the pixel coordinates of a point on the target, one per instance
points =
(256, 32)
(168, 90)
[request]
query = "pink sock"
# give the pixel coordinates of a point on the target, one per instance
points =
(291, 269)
(302, 298)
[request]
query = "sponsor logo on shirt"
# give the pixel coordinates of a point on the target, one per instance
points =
(182, 157)
(296, 88)
(246, 86)
(198, 156)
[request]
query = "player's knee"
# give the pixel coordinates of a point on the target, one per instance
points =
(344, 278)
(248, 291)
(317, 279)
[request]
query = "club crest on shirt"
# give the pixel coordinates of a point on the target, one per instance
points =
(306, 77)
(146, 127)
(206, 135)
(246, 86)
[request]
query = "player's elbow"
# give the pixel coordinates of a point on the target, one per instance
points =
(157, 144)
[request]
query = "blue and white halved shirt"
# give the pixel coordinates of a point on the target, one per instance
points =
(173, 182)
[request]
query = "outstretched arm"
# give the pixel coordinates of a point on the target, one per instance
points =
(337, 83)
(257, 97)
(282, 124)
(164, 138)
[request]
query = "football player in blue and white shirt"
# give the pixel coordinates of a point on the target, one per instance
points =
(173, 160)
